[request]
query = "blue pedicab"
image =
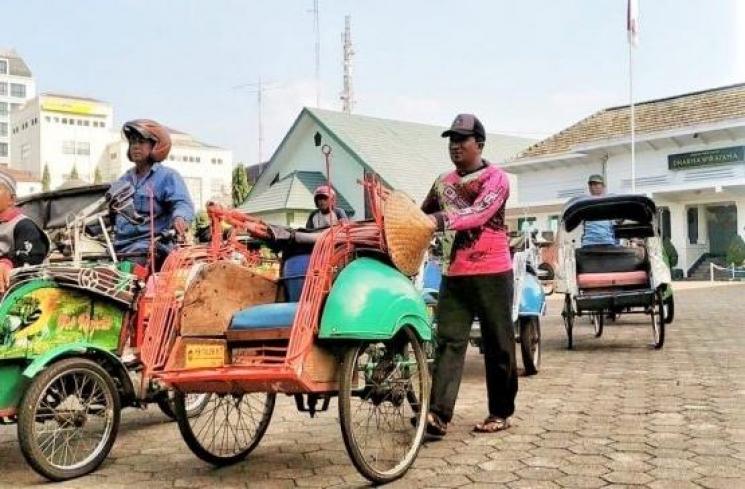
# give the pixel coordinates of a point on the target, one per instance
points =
(529, 300)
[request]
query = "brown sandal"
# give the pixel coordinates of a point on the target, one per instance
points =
(492, 424)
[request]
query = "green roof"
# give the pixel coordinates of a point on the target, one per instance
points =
(294, 191)
(407, 155)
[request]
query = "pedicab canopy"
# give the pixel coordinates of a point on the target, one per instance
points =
(638, 208)
(51, 210)
(408, 232)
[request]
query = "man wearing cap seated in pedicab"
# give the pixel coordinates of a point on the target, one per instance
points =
(22, 242)
(149, 144)
(326, 213)
(598, 234)
(468, 204)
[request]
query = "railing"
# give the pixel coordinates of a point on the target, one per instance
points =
(735, 273)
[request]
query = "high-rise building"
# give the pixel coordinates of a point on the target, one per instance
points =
(66, 134)
(16, 86)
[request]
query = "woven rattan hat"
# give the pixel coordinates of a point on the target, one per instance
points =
(408, 232)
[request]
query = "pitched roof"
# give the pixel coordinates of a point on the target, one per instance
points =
(20, 175)
(16, 65)
(407, 155)
(294, 191)
(689, 109)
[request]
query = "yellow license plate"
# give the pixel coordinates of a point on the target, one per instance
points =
(198, 356)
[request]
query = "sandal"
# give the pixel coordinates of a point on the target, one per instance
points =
(435, 426)
(492, 424)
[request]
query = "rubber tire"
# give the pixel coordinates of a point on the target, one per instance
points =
(345, 379)
(165, 404)
(670, 302)
(529, 362)
(658, 315)
(568, 316)
(597, 323)
(26, 421)
(196, 447)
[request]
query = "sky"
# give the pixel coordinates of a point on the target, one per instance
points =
(526, 68)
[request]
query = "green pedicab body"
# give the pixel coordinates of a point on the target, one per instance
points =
(372, 300)
(41, 322)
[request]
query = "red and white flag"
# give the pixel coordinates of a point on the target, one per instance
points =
(632, 22)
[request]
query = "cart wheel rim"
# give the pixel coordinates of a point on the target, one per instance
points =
(73, 419)
(194, 404)
(387, 405)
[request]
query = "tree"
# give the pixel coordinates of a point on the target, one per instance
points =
(736, 251)
(97, 178)
(240, 185)
(670, 252)
(46, 179)
(74, 173)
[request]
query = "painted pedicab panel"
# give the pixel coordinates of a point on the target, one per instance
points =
(629, 278)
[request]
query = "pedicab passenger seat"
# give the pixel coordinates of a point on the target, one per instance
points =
(272, 321)
(606, 267)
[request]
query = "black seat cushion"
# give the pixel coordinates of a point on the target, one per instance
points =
(610, 259)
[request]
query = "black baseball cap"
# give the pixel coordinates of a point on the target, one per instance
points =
(466, 125)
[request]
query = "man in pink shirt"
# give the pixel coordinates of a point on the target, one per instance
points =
(468, 205)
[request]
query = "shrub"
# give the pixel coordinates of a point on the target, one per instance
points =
(736, 251)
(670, 252)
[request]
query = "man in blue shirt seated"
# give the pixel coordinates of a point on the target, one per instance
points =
(598, 233)
(156, 187)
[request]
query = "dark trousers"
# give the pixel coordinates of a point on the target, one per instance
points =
(488, 297)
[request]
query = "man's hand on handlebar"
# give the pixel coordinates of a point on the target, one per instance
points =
(180, 225)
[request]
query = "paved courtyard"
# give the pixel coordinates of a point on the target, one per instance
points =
(612, 413)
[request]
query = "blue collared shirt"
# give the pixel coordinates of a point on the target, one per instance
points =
(170, 200)
(599, 233)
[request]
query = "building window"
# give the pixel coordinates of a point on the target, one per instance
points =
(48, 119)
(3, 108)
(185, 158)
(666, 228)
(3, 67)
(18, 90)
(56, 119)
(3, 149)
(64, 120)
(80, 122)
(3, 88)
(553, 223)
(525, 223)
(112, 156)
(3, 128)
(68, 147)
(102, 124)
(25, 151)
(83, 148)
(14, 107)
(198, 159)
(693, 225)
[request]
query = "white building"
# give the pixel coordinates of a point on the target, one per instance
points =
(407, 156)
(60, 132)
(690, 158)
(16, 86)
(207, 170)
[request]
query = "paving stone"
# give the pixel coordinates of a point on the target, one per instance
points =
(627, 477)
(581, 481)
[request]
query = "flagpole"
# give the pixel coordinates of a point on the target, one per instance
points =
(631, 104)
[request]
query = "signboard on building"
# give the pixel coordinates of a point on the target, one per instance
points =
(72, 106)
(709, 157)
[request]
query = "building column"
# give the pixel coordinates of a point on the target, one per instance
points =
(679, 232)
(703, 225)
(740, 204)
